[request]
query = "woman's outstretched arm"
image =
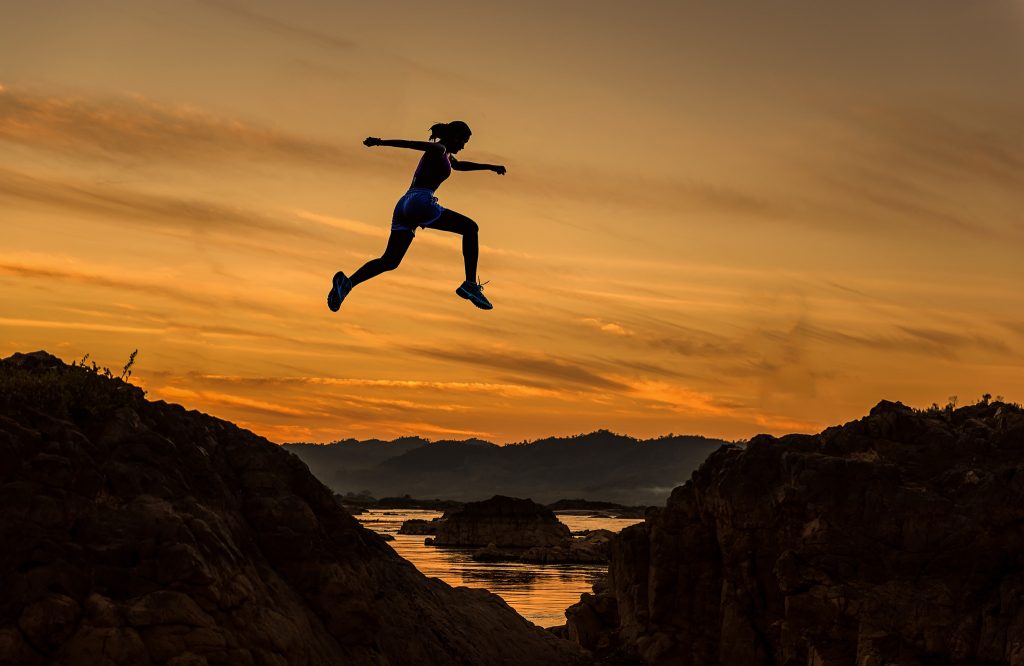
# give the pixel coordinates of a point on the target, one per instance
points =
(459, 165)
(402, 143)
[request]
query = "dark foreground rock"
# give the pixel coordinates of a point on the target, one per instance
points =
(506, 522)
(136, 532)
(895, 539)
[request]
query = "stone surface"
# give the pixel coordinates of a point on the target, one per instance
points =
(505, 522)
(419, 526)
(137, 532)
(591, 548)
(894, 539)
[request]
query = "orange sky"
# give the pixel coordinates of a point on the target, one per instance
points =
(718, 218)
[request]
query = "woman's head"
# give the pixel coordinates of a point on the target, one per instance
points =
(453, 135)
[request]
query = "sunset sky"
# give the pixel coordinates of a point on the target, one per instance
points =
(720, 218)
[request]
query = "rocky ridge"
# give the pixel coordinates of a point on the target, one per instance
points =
(136, 532)
(894, 539)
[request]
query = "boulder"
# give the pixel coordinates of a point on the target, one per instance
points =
(419, 526)
(503, 521)
(590, 549)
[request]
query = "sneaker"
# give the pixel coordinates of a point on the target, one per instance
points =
(342, 285)
(474, 292)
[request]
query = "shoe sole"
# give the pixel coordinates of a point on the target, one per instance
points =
(469, 297)
(333, 298)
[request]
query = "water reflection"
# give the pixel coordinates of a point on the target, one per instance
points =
(538, 592)
(498, 579)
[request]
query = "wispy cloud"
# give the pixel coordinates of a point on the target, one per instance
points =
(155, 285)
(227, 399)
(951, 339)
(76, 325)
(608, 327)
(907, 339)
(509, 390)
(529, 365)
(636, 194)
(341, 224)
(678, 398)
(175, 215)
(286, 28)
(342, 46)
(136, 128)
(679, 343)
(927, 168)
(986, 149)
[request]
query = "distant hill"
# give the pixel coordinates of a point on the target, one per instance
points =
(599, 466)
(324, 460)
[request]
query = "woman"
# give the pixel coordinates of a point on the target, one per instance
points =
(419, 208)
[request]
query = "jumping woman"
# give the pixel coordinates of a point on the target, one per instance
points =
(419, 208)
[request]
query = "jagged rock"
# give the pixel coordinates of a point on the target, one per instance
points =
(419, 526)
(502, 521)
(591, 549)
(136, 532)
(895, 539)
(593, 546)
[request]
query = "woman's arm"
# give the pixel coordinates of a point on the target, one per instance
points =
(459, 165)
(402, 143)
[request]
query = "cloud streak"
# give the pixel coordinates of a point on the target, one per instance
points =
(173, 213)
(137, 128)
(508, 390)
(525, 364)
(915, 165)
(277, 26)
(148, 286)
(912, 340)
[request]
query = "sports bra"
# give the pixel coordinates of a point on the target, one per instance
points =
(433, 169)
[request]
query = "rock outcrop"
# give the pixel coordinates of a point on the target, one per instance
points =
(136, 532)
(505, 522)
(894, 539)
(419, 526)
(589, 549)
(582, 507)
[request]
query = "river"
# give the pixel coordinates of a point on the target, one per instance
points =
(538, 592)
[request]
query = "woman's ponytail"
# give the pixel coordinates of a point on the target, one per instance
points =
(438, 131)
(454, 129)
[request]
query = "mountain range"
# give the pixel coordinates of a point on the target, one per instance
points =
(597, 466)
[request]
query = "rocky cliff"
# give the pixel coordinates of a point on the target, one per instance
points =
(136, 532)
(894, 539)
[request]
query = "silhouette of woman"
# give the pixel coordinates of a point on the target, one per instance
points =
(419, 208)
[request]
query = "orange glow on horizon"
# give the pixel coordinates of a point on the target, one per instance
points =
(678, 245)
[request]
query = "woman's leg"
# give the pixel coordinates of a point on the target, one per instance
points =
(460, 224)
(398, 243)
